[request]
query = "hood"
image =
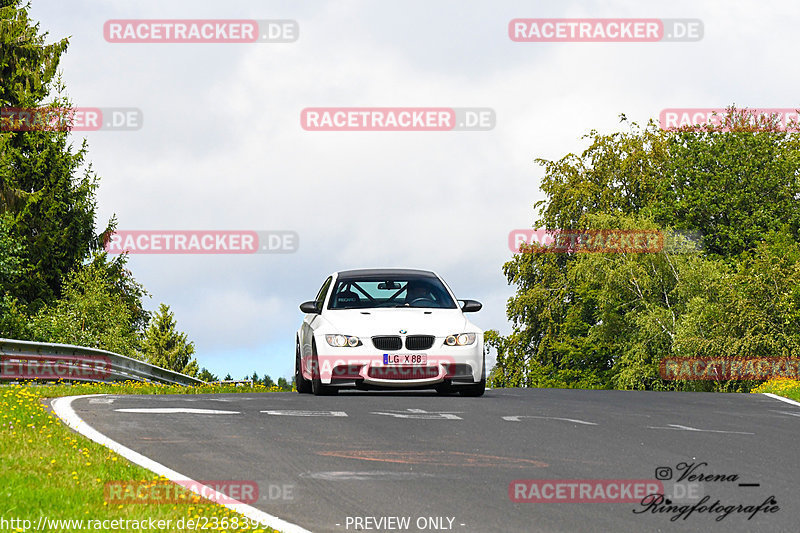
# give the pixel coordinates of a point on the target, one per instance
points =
(416, 321)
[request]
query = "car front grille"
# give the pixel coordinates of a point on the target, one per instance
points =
(419, 342)
(391, 342)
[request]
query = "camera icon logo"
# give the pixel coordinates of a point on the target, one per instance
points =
(663, 473)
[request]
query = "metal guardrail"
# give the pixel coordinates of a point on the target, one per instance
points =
(41, 361)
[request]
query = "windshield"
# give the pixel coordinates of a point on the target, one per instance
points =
(407, 291)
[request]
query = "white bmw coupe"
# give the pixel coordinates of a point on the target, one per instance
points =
(389, 328)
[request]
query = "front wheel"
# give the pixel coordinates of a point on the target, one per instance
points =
(478, 388)
(473, 390)
(316, 383)
(303, 385)
(444, 387)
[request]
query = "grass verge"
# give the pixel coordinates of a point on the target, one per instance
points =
(788, 388)
(50, 471)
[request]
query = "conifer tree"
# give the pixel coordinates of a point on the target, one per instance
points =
(166, 347)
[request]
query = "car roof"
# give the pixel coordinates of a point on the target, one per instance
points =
(379, 273)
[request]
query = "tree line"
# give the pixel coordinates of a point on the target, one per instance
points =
(726, 284)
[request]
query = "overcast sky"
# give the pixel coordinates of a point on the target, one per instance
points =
(222, 146)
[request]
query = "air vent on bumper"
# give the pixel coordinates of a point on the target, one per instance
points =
(403, 372)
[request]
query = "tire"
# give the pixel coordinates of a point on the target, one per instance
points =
(478, 388)
(444, 388)
(316, 382)
(302, 384)
(473, 390)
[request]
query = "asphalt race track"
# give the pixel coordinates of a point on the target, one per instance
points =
(445, 463)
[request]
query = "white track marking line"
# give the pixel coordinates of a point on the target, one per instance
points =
(421, 414)
(101, 400)
(63, 409)
(688, 428)
(289, 412)
(516, 418)
(177, 410)
(788, 413)
(781, 398)
(424, 411)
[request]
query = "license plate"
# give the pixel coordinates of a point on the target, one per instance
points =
(405, 359)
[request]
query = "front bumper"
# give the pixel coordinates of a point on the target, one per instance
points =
(364, 365)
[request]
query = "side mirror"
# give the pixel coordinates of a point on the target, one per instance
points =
(309, 307)
(471, 306)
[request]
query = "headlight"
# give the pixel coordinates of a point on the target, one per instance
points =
(460, 339)
(340, 341)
